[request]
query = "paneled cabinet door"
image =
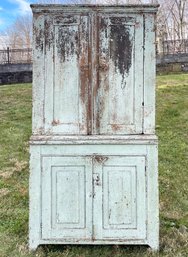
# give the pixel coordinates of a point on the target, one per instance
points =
(119, 91)
(66, 74)
(66, 198)
(120, 198)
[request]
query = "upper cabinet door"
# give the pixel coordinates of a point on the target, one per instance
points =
(66, 74)
(119, 91)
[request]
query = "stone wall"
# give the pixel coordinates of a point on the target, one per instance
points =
(22, 73)
(15, 73)
(172, 63)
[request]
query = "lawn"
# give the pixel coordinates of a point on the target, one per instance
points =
(172, 129)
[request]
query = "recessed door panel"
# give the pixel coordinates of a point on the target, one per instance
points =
(66, 197)
(118, 105)
(120, 198)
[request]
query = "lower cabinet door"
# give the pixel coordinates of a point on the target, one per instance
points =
(94, 198)
(66, 198)
(120, 198)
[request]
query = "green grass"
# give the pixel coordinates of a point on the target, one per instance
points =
(172, 129)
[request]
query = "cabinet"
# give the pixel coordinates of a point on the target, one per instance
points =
(93, 150)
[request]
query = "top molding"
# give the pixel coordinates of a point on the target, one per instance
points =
(50, 8)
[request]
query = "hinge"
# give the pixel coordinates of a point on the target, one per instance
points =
(145, 167)
(142, 108)
(93, 232)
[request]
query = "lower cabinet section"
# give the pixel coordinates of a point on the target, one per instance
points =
(79, 194)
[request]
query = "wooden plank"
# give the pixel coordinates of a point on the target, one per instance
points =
(120, 140)
(94, 69)
(57, 8)
(92, 150)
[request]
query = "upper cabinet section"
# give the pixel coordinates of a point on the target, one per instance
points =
(94, 70)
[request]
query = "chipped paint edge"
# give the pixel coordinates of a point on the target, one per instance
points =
(49, 8)
(123, 140)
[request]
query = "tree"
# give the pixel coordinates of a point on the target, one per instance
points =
(174, 18)
(19, 35)
(180, 6)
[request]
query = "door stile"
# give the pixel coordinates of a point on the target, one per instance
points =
(90, 79)
(97, 198)
(94, 68)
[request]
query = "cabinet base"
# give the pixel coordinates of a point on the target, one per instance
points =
(116, 192)
(153, 245)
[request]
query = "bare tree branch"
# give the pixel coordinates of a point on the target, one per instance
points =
(19, 35)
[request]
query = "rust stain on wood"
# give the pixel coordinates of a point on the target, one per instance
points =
(100, 159)
(115, 127)
(84, 55)
(55, 122)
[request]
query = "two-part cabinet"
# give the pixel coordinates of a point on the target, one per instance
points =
(93, 161)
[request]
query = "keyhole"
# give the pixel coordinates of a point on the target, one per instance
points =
(97, 180)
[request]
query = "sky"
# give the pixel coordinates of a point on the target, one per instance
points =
(11, 9)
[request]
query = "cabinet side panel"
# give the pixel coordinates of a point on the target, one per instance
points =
(38, 74)
(149, 75)
(49, 69)
(153, 197)
(35, 196)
